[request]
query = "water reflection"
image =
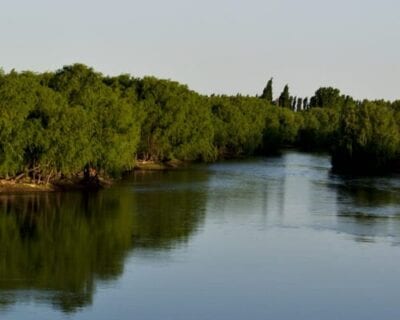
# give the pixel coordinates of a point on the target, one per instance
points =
(170, 206)
(297, 190)
(61, 244)
(55, 248)
(369, 208)
(283, 230)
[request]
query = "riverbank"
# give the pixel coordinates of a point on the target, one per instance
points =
(12, 186)
(142, 165)
(7, 186)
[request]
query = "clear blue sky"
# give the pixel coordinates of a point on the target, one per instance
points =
(221, 46)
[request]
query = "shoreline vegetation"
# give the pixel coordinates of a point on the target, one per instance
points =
(66, 184)
(150, 165)
(76, 128)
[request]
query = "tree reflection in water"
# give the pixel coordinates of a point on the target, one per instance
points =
(369, 208)
(56, 247)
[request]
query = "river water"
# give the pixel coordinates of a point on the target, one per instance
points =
(265, 238)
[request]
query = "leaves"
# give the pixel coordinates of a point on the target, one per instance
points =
(57, 124)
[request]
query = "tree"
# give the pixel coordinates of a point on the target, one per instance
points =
(243, 115)
(368, 138)
(177, 124)
(299, 104)
(326, 97)
(319, 128)
(305, 103)
(293, 104)
(18, 98)
(284, 98)
(112, 130)
(267, 93)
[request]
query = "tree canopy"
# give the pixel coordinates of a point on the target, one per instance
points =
(59, 124)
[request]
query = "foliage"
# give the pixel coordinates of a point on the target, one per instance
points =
(58, 126)
(368, 138)
(326, 97)
(177, 124)
(238, 123)
(318, 128)
(281, 129)
(267, 92)
(284, 98)
(75, 120)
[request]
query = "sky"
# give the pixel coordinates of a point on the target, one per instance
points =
(214, 46)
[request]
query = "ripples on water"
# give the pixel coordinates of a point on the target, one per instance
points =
(279, 237)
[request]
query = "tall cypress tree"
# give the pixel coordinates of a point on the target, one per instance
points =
(293, 104)
(299, 104)
(267, 93)
(284, 98)
(305, 103)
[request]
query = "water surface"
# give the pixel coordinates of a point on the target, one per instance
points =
(273, 238)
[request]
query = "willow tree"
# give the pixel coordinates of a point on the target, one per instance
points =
(109, 129)
(17, 100)
(368, 138)
(177, 123)
(238, 123)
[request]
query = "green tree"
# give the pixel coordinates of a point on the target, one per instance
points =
(318, 130)
(299, 104)
(112, 128)
(268, 93)
(368, 138)
(305, 103)
(245, 116)
(284, 98)
(326, 97)
(177, 122)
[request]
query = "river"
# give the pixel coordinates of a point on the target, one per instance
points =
(263, 238)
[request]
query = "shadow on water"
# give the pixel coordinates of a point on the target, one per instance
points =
(169, 205)
(368, 207)
(55, 248)
(61, 244)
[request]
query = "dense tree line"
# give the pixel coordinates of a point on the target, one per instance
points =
(368, 138)
(77, 121)
(362, 136)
